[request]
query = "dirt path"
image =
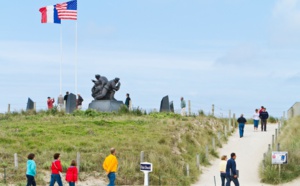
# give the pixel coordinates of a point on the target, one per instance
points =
(249, 151)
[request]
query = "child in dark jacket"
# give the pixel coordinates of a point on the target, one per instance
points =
(72, 174)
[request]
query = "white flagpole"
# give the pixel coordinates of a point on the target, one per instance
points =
(76, 59)
(61, 58)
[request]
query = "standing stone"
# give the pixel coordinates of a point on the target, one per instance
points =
(172, 106)
(71, 103)
(30, 105)
(165, 105)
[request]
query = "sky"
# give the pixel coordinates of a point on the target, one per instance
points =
(236, 54)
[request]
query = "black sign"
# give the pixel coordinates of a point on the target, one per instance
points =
(146, 167)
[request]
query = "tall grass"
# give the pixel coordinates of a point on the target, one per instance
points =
(168, 140)
(289, 141)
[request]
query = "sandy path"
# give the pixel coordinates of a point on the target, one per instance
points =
(249, 151)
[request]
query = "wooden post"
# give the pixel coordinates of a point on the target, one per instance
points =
(234, 121)
(275, 134)
(269, 147)
(198, 161)
(190, 112)
(229, 121)
(8, 109)
(78, 161)
(188, 170)
(213, 110)
(273, 142)
(142, 156)
(278, 146)
(16, 161)
(213, 143)
(206, 152)
(34, 106)
(219, 136)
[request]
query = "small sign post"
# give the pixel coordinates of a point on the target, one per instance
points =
(279, 157)
(146, 167)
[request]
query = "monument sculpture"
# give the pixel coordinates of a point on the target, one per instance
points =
(103, 93)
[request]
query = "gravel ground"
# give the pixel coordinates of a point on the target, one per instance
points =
(249, 153)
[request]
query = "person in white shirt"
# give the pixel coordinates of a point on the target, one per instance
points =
(223, 164)
(256, 119)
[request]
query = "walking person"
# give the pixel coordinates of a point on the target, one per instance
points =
(110, 166)
(183, 105)
(72, 174)
(31, 170)
(231, 172)
(223, 164)
(242, 121)
(264, 115)
(56, 169)
(256, 119)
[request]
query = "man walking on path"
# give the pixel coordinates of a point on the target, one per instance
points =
(183, 105)
(241, 120)
(231, 172)
(110, 166)
(264, 115)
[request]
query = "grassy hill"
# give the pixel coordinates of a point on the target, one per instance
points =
(289, 141)
(168, 140)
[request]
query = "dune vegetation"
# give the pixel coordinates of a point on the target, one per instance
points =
(169, 141)
(289, 141)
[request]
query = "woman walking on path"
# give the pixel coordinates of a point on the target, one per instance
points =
(31, 170)
(256, 119)
(72, 174)
(223, 169)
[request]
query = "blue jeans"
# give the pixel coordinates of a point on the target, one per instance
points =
(55, 178)
(223, 176)
(71, 183)
(241, 127)
(112, 177)
(30, 180)
(256, 122)
(230, 178)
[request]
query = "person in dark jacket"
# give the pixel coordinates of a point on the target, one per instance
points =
(241, 120)
(231, 172)
(127, 101)
(264, 115)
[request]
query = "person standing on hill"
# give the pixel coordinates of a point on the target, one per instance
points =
(56, 169)
(127, 101)
(79, 102)
(50, 103)
(66, 98)
(256, 119)
(110, 165)
(72, 174)
(264, 115)
(183, 105)
(231, 172)
(31, 170)
(223, 169)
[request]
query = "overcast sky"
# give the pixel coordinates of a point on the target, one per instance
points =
(235, 54)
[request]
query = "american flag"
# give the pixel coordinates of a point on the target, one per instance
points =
(67, 10)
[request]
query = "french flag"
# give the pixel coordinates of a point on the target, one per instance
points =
(49, 14)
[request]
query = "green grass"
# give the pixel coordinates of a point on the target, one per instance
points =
(168, 140)
(289, 141)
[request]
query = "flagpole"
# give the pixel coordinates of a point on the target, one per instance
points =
(61, 58)
(76, 58)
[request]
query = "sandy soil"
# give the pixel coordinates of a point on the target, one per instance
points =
(249, 153)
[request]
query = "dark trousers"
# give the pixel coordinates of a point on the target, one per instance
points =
(112, 177)
(30, 180)
(231, 178)
(71, 183)
(223, 176)
(55, 178)
(263, 125)
(241, 128)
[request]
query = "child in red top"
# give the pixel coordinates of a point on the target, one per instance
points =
(72, 174)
